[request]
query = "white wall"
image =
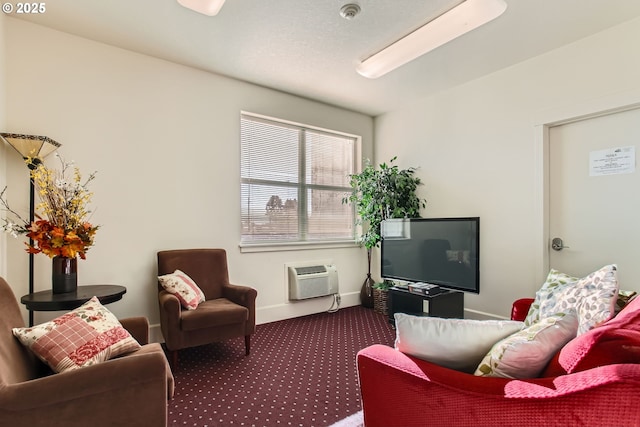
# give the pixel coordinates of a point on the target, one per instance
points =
(475, 147)
(164, 139)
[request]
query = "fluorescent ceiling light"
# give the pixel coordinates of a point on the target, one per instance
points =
(452, 24)
(206, 7)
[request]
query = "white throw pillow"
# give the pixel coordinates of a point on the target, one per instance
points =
(526, 353)
(457, 344)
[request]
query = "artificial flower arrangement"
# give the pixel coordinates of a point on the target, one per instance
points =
(63, 228)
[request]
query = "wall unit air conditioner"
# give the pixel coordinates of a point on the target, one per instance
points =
(312, 281)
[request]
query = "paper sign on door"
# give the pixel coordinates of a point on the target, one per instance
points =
(612, 161)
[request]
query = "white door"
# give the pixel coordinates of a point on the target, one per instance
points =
(594, 196)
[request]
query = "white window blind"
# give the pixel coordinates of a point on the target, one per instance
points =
(293, 179)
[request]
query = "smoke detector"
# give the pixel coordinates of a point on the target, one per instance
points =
(349, 11)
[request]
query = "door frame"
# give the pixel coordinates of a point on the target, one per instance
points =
(543, 121)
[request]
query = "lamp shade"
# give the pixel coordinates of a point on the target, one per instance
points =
(31, 146)
(466, 16)
(206, 7)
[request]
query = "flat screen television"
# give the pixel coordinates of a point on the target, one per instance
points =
(440, 251)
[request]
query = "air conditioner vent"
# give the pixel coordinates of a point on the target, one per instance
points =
(314, 269)
(311, 281)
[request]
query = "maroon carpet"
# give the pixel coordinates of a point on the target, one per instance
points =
(301, 372)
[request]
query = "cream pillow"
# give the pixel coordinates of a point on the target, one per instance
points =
(458, 344)
(184, 288)
(88, 335)
(526, 353)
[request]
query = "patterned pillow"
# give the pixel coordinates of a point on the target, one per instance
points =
(525, 354)
(88, 335)
(592, 297)
(548, 298)
(184, 288)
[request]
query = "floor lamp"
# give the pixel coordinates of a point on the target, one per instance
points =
(33, 149)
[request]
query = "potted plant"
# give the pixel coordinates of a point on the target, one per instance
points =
(380, 297)
(379, 194)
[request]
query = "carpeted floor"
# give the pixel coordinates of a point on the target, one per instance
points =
(301, 372)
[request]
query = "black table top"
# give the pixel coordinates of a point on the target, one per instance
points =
(48, 301)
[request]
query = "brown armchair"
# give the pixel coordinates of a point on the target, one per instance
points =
(229, 311)
(127, 391)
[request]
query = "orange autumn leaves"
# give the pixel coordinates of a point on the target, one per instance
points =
(56, 241)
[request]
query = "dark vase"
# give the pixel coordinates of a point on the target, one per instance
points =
(64, 275)
(366, 292)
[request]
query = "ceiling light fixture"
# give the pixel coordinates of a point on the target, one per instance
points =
(206, 7)
(452, 24)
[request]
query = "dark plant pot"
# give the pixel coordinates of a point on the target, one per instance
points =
(64, 275)
(366, 293)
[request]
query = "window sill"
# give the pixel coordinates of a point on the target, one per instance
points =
(294, 246)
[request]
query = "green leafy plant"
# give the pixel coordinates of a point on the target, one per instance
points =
(384, 285)
(383, 193)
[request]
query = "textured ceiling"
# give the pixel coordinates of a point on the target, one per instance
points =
(305, 48)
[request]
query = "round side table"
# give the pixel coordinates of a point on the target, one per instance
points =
(48, 301)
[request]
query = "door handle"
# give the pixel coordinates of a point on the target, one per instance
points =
(557, 244)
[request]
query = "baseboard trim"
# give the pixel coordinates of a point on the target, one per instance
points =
(155, 333)
(481, 315)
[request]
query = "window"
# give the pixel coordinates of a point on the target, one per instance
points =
(293, 180)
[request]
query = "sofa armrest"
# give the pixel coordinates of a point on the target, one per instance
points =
(520, 308)
(138, 327)
(246, 297)
(431, 395)
(169, 307)
(240, 294)
(130, 390)
(170, 317)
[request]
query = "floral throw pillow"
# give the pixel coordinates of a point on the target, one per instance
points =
(593, 297)
(184, 288)
(88, 335)
(526, 353)
(548, 299)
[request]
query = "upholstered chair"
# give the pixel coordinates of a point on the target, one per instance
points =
(227, 312)
(130, 390)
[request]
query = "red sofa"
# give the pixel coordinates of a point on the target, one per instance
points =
(594, 380)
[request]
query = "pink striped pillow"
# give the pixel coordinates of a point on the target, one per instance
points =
(183, 287)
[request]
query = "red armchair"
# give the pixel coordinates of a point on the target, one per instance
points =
(400, 390)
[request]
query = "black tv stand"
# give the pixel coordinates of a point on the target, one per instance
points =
(445, 304)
